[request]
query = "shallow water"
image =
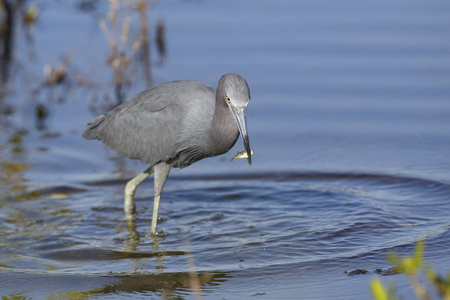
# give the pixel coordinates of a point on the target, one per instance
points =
(255, 233)
(349, 120)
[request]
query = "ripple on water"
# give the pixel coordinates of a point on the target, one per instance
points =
(263, 222)
(294, 219)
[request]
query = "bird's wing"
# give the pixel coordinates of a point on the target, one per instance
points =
(144, 133)
(151, 126)
(148, 127)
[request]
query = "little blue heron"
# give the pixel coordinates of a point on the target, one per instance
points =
(174, 125)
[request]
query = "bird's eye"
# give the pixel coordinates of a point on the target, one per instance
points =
(228, 99)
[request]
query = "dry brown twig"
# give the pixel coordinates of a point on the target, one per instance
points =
(123, 44)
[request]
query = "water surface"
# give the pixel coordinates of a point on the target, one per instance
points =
(349, 119)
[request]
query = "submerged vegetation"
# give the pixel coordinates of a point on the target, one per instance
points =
(128, 36)
(31, 86)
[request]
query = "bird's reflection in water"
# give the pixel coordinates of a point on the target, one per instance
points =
(155, 280)
(165, 285)
(134, 240)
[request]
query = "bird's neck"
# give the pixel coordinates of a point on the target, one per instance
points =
(223, 131)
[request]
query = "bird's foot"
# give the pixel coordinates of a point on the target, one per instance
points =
(158, 234)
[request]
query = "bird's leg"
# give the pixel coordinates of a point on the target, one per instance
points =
(155, 213)
(161, 172)
(130, 189)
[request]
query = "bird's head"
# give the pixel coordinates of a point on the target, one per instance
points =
(237, 97)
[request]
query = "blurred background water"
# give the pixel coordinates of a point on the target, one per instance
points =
(349, 119)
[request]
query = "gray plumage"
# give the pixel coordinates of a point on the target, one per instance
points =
(174, 125)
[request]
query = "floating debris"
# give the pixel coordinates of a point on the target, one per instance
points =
(356, 272)
(390, 271)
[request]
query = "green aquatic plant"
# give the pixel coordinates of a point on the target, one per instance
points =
(380, 292)
(18, 296)
(69, 295)
(413, 267)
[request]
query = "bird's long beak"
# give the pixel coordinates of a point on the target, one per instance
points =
(240, 114)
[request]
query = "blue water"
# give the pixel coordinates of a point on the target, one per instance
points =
(349, 120)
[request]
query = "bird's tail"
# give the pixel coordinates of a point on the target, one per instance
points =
(91, 130)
